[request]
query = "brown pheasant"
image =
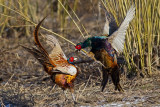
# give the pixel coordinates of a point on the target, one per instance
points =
(55, 63)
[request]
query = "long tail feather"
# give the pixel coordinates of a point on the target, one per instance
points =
(37, 42)
(39, 55)
(36, 39)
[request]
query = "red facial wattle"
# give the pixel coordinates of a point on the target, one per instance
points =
(71, 59)
(78, 47)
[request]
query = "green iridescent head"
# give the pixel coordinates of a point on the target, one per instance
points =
(84, 44)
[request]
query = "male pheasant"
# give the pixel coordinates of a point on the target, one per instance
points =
(55, 63)
(106, 48)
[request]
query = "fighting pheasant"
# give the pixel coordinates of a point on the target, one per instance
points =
(106, 48)
(55, 63)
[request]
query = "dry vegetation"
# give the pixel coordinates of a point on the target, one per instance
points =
(23, 80)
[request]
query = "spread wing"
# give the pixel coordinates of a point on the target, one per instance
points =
(110, 24)
(117, 39)
(56, 53)
(59, 58)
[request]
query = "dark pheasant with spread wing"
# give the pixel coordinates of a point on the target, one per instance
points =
(106, 48)
(55, 63)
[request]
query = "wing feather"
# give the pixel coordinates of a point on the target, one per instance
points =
(110, 24)
(56, 48)
(117, 39)
(58, 57)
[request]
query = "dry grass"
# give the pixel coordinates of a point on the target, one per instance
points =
(22, 78)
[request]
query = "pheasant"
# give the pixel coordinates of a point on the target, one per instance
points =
(106, 48)
(55, 63)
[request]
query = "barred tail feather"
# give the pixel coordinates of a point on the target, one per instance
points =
(39, 55)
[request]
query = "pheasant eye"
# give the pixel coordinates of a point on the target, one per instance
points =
(78, 47)
(71, 59)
